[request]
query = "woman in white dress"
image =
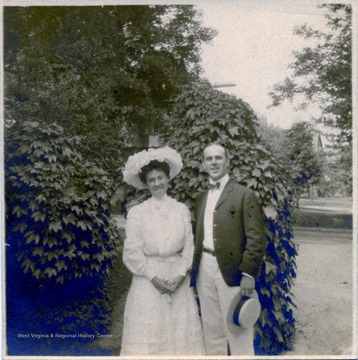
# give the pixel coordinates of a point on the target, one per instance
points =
(161, 315)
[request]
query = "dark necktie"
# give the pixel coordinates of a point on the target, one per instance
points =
(214, 186)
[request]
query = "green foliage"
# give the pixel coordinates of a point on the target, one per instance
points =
(273, 137)
(202, 115)
(327, 168)
(60, 204)
(299, 157)
(323, 72)
(95, 70)
(337, 179)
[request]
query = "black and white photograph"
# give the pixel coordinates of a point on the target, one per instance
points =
(179, 179)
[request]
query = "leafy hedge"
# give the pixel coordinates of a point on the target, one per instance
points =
(203, 115)
(61, 239)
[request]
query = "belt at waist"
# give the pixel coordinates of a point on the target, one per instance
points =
(211, 252)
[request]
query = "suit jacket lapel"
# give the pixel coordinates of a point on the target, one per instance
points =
(224, 195)
(202, 208)
(200, 221)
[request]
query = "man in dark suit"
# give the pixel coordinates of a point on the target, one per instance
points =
(229, 247)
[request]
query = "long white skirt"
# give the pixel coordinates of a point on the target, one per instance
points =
(161, 324)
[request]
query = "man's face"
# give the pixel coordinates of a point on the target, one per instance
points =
(215, 162)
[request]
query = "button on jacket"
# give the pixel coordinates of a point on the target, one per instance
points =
(238, 233)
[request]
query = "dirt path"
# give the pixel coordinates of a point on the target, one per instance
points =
(323, 293)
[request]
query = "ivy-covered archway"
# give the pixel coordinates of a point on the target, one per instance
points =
(203, 115)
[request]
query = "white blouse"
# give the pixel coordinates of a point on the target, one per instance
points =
(158, 229)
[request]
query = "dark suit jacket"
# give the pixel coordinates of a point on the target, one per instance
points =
(239, 233)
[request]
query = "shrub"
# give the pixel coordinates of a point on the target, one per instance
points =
(62, 240)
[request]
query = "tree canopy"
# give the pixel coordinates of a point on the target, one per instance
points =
(322, 72)
(300, 158)
(99, 70)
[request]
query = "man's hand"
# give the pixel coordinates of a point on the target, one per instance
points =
(161, 285)
(247, 285)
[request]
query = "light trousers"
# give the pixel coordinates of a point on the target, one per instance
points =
(215, 297)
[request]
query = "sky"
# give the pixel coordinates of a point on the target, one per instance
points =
(254, 47)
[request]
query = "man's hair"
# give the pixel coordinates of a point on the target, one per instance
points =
(154, 165)
(227, 155)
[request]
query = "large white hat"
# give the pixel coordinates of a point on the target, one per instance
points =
(136, 162)
(243, 311)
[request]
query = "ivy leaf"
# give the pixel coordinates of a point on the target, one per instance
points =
(69, 219)
(76, 209)
(99, 257)
(40, 198)
(193, 182)
(61, 265)
(95, 267)
(269, 267)
(101, 194)
(51, 272)
(51, 158)
(51, 255)
(270, 212)
(84, 225)
(67, 236)
(84, 256)
(191, 113)
(251, 183)
(262, 148)
(67, 151)
(60, 279)
(234, 131)
(38, 251)
(38, 215)
(85, 244)
(37, 273)
(33, 238)
(55, 226)
(70, 255)
(21, 227)
(51, 242)
(18, 211)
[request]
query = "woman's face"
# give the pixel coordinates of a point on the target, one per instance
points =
(157, 182)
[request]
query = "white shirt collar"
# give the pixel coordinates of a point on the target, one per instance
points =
(223, 181)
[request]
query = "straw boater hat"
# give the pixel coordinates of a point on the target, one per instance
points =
(136, 162)
(243, 311)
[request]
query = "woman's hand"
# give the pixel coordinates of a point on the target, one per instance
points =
(163, 286)
(176, 282)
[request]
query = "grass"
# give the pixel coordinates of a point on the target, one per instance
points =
(315, 219)
(338, 202)
(324, 213)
